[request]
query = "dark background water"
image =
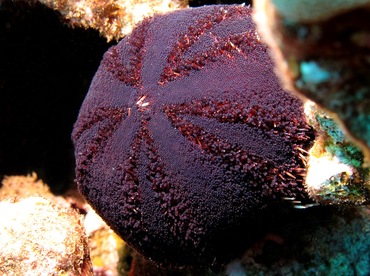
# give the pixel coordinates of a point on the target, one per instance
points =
(45, 70)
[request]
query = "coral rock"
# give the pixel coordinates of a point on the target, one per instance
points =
(38, 237)
(186, 132)
(112, 18)
(23, 186)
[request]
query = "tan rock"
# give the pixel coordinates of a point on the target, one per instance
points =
(39, 237)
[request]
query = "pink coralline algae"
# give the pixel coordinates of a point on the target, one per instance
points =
(186, 131)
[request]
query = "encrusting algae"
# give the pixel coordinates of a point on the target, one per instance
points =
(337, 172)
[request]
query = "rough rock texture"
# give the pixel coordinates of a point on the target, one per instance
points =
(323, 54)
(185, 133)
(23, 186)
(112, 18)
(39, 237)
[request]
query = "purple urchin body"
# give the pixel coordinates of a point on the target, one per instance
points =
(185, 132)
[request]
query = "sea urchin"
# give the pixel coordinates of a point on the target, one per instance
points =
(186, 131)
